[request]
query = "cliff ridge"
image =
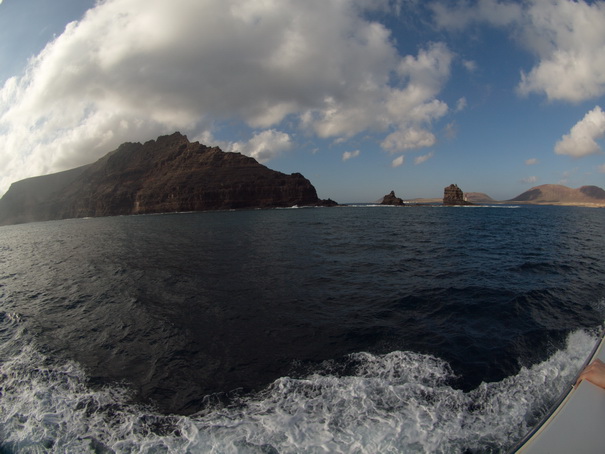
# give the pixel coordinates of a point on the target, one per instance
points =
(170, 174)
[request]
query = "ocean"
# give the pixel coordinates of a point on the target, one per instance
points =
(358, 329)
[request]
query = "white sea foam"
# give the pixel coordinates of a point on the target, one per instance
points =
(398, 402)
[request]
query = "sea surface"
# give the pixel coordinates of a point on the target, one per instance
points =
(359, 329)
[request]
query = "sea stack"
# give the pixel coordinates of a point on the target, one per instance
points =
(453, 195)
(391, 199)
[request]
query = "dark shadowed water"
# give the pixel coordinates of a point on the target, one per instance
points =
(350, 329)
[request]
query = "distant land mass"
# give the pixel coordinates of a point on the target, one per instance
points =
(478, 197)
(170, 174)
(547, 194)
(562, 195)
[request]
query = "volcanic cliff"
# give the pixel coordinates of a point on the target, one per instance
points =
(169, 174)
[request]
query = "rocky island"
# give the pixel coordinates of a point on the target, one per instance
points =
(391, 199)
(170, 174)
(453, 195)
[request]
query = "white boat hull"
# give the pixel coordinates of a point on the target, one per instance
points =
(577, 424)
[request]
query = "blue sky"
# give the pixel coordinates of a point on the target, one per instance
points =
(360, 96)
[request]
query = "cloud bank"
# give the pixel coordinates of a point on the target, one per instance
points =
(132, 69)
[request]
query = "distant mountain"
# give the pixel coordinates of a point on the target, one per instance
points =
(169, 174)
(555, 193)
(478, 197)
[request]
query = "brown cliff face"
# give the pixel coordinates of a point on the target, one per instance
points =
(169, 174)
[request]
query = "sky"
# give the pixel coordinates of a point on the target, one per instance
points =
(360, 96)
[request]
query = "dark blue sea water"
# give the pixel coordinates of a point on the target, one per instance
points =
(352, 329)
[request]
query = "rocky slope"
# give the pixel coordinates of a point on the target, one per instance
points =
(559, 194)
(169, 174)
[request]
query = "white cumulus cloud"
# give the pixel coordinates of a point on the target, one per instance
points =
(422, 159)
(407, 139)
(398, 162)
(567, 37)
(134, 69)
(581, 140)
(263, 146)
(531, 162)
(470, 65)
(350, 155)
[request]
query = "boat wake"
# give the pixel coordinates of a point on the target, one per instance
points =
(397, 402)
